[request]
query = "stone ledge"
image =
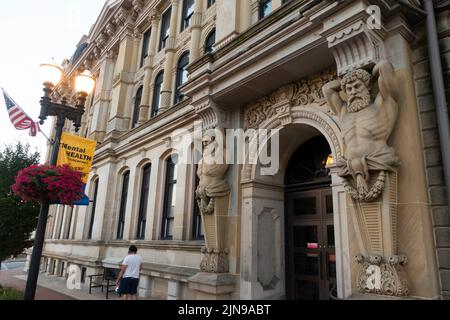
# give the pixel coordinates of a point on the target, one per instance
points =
(212, 283)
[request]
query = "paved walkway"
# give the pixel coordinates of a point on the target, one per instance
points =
(17, 279)
(53, 287)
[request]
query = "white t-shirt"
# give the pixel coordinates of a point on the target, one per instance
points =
(133, 263)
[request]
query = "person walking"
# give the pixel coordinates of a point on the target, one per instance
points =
(128, 279)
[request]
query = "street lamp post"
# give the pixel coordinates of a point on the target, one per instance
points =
(84, 84)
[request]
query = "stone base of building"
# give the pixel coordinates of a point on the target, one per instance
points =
(211, 286)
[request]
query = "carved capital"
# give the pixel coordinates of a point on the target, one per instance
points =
(383, 276)
(215, 260)
(355, 47)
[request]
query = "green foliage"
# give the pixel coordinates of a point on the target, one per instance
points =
(12, 160)
(17, 219)
(10, 294)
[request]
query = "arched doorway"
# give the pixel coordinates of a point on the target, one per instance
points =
(309, 223)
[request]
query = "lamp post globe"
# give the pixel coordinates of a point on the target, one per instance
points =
(50, 74)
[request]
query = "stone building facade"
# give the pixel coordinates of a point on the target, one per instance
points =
(356, 206)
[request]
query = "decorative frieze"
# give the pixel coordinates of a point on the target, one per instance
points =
(302, 93)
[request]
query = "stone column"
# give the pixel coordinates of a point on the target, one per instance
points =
(196, 31)
(49, 266)
(148, 67)
(166, 91)
(118, 120)
(102, 97)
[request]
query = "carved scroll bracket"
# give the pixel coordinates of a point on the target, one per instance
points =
(212, 115)
(356, 46)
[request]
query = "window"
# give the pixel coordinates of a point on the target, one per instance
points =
(157, 93)
(69, 222)
(123, 205)
(182, 76)
(211, 2)
(197, 233)
(165, 29)
(137, 106)
(94, 204)
(265, 8)
(170, 196)
(210, 42)
(142, 219)
(145, 42)
(188, 11)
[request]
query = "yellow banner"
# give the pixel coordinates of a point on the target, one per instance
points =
(77, 152)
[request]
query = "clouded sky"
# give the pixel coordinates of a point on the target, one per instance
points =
(33, 32)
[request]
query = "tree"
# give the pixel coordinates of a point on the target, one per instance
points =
(17, 219)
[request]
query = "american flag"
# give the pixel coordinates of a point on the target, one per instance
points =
(19, 118)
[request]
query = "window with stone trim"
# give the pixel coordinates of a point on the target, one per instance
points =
(157, 93)
(265, 8)
(165, 29)
(94, 205)
(137, 107)
(143, 202)
(197, 231)
(145, 44)
(187, 13)
(123, 205)
(170, 195)
(210, 3)
(210, 42)
(182, 76)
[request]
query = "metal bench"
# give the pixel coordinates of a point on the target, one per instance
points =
(106, 280)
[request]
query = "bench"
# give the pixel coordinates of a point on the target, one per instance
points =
(106, 280)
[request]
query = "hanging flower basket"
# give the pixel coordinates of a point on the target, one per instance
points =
(56, 184)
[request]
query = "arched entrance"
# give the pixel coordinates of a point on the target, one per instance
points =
(309, 223)
(264, 252)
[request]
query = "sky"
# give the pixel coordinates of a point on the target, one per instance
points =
(33, 32)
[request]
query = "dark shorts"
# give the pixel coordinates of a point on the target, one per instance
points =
(128, 286)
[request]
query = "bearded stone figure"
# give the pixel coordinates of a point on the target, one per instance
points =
(366, 125)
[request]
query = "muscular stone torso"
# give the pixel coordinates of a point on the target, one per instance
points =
(365, 131)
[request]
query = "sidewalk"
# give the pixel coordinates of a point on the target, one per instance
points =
(16, 279)
(54, 288)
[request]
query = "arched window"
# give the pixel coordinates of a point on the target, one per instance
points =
(210, 42)
(170, 196)
(137, 106)
(145, 187)
(157, 93)
(94, 204)
(182, 76)
(123, 205)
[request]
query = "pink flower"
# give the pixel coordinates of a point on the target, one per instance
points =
(58, 184)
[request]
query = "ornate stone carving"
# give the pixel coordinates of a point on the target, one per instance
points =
(121, 17)
(368, 167)
(302, 93)
(212, 115)
(212, 197)
(212, 183)
(383, 277)
(215, 260)
(366, 126)
(355, 47)
(137, 6)
(110, 29)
